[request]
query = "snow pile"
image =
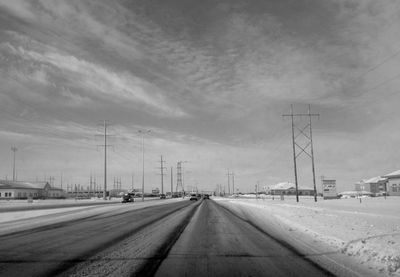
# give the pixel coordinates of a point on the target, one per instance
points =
(365, 232)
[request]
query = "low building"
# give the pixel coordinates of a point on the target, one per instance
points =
(393, 183)
(24, 190)
(286, 188)
(376, 185)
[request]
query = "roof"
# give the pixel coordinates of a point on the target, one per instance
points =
(283, 185)
(393, 174)
(287, 186)
(375, 180)
(23, 185)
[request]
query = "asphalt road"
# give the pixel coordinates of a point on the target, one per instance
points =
(71, 246)
(173, 239)
(218, 243)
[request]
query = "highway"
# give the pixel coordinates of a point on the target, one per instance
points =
(180, 238)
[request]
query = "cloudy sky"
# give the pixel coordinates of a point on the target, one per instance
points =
(210, 79)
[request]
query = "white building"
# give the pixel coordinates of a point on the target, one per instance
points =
(393, 183)
(24, 190)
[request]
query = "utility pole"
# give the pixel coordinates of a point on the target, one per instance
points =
(233, 183)
(143, 132)
(179, 177)
(229, 190)
(303, 149)
(14, 149)
(105, 159)
(312, 153)
(172, 182)
(132, 182)
(162, 167)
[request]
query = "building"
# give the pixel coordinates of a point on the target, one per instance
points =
(376, 185)
(393, 183)
(24, 190)
(289, 189)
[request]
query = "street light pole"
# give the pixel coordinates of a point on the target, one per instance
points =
(143, 132)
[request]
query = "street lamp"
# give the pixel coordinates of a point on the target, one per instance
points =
(143, 132)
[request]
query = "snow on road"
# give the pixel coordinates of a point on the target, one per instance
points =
(368, 232)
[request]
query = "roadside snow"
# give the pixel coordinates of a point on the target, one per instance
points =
(367, 231)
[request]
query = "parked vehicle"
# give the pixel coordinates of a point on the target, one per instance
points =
(163, 196)
(128, 197)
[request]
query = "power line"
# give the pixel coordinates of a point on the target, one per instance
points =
(380, 64)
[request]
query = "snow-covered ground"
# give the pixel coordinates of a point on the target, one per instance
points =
(366, 232)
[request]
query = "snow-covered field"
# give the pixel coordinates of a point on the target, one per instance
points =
(362, 234)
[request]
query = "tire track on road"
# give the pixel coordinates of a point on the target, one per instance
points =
(152, 264)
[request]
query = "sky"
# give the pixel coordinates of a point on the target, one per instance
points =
(210, 79)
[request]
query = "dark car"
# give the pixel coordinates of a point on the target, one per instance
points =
(128, 197)
(193, 197)
(163, 196)
(206, 196)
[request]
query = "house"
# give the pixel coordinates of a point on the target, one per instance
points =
(393, 183)
(24, 190)
(376, 185)
(290, 189)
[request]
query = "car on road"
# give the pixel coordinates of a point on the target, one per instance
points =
(206, 196)
(193, 197)
(128, 197)
(163, 196)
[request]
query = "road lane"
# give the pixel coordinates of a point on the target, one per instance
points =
(54, 248)
(217, 243)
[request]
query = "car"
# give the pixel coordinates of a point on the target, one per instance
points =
(193, 197)
(206, 196)
(128, 197)
(163, 196)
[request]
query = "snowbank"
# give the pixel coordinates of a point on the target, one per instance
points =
(358, 235)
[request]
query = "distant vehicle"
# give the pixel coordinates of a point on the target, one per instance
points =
(206, 196)
(193, 197)
(163, 196)
(128, 197)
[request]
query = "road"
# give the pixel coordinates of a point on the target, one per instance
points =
(218, 243)
(114, 236)
(174, 239)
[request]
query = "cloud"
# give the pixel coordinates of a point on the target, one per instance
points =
(114, 86)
